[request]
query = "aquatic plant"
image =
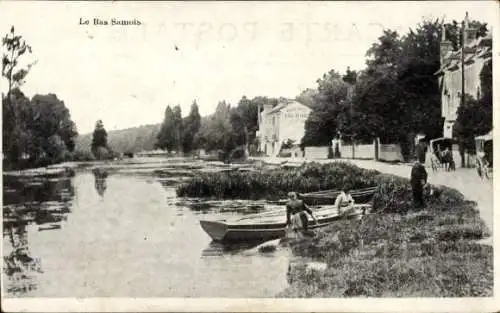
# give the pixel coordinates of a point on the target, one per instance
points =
(276, 183)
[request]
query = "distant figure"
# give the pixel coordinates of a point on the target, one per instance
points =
(296, 213)
(418, 181)
(421, 151)
(337, 150)
(344, 201)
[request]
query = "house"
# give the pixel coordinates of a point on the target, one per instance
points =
(281, 123)
(477, 54)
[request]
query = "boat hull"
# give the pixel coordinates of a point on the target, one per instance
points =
(222, 231)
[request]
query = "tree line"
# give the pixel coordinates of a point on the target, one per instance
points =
(397, 95)
(37, 131)
(229, 131)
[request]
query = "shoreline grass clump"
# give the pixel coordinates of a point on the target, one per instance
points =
(276, 183)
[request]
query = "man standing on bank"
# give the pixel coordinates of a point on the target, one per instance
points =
(296, 215)
(418, 181)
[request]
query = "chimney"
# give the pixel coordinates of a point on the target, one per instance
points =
(445, 45)
(470, 33)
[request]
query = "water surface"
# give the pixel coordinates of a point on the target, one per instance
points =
(125, 235)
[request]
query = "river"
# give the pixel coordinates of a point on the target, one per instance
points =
(126, 234)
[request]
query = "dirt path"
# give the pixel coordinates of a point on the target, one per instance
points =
(465, 180)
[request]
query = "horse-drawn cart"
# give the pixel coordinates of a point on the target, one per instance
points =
(441, 153)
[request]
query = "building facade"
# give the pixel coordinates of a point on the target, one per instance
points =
(476, 54)
(281, 123)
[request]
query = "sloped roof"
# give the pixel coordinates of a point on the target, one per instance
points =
(284, 104)
(278, 107)
(482, 49)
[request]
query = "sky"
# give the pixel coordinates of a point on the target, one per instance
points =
(126, 75)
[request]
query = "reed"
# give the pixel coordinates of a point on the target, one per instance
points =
(276, 183)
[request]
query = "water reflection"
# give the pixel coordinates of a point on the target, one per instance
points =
(19, 266)
(36, 190)
(52, 230)
(100, 181)
(36, 202)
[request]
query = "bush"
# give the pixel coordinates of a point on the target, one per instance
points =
(393, 193)
(277, 183)
(81, 156)
(237, 153)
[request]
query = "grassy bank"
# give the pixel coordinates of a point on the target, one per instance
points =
(398, 253)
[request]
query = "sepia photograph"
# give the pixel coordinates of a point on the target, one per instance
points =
(248, 155)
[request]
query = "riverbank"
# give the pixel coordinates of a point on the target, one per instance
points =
(465, 180)
(428, 253)
(398, 251)
(395, 252)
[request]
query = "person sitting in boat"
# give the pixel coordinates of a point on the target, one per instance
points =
(344, 201)
(296, 213)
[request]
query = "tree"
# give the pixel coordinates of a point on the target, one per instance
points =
(239, 128)
(17, 137)
(216, 132)
(53, 118)
(192, 125)
(320, 128)
(165, 138)
(99, 139)
(16, 47)
(43, 133)
(385, 54)
(377, 94)
(398, 95)
(177, 128)
(13, 48)
(321, 125)
(308, 97)
(37, 131)
(421, 90)
(350, 76)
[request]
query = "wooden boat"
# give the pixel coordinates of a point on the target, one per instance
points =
(325, 197)
(271, 225)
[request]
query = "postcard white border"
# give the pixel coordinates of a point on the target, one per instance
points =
(293, 305)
